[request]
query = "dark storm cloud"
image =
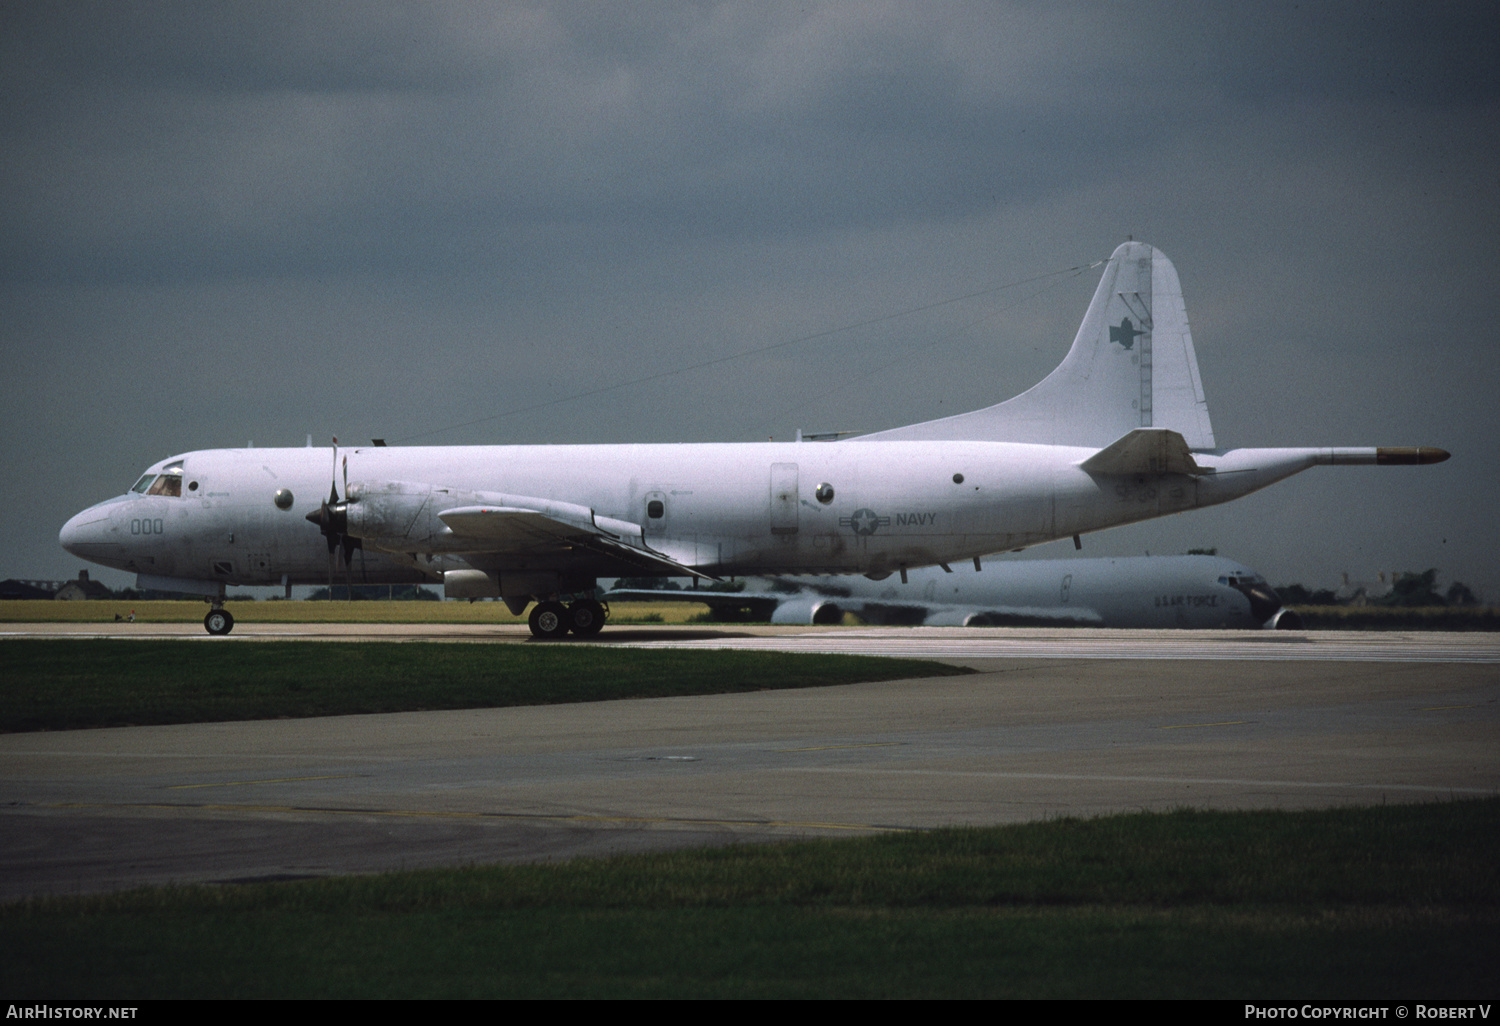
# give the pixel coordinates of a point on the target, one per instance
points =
(288, 139)
(164, 142)
(247, 46)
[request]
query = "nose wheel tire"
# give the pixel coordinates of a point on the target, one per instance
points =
(548, 620)
(218, 622)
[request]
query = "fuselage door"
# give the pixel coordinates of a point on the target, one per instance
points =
(656, 513)
(783, 498)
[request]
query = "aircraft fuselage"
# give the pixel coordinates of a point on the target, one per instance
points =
(726, 509)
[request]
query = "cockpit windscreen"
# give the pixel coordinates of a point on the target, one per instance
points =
(168, 483)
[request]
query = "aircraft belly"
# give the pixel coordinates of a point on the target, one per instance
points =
(1086, 502)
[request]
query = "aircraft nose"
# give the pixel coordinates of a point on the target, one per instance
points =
(87, 534)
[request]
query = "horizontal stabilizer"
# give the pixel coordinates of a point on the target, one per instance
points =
(513, 529)
(1383, 456)
(1145, 451)
(1398, 455)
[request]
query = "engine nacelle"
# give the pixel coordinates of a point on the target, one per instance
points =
(470, 584)
(808, 609)
(1284, 620)
(397, 515)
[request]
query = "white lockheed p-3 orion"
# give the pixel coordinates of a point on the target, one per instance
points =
(1118, 433)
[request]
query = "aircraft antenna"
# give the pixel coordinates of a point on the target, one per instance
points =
(1075, 270)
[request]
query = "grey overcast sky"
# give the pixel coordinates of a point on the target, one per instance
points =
(245, 221)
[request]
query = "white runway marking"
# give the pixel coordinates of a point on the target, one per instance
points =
(968, 643)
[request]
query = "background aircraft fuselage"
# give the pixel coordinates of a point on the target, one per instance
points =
(1174, 592)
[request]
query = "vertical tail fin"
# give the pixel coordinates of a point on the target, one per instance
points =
(1132, 365)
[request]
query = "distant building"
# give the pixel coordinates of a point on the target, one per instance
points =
(83, 588)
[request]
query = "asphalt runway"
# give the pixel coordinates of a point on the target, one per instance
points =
(1054, 723)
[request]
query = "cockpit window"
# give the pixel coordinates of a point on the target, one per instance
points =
(167, 484)
(1264, 602)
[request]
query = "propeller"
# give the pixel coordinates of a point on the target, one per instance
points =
(332, 518)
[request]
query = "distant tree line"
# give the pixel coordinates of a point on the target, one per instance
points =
(1408, 590)
(1298, 595)
(377, 592)
(667, 584)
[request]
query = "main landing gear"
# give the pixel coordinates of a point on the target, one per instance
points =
(551, 619)
(218, 621)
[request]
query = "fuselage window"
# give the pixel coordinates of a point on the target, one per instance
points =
(655, 510)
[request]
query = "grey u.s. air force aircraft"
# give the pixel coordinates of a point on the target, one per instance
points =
(1180, 592)
(1118, 433)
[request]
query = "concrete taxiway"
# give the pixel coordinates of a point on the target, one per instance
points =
(1053, 723)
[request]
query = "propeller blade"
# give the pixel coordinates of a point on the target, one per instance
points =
(332, 518)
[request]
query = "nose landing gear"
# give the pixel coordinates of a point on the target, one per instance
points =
(218, 621)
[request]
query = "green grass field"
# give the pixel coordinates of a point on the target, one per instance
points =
(1385, 903)
(71, 684)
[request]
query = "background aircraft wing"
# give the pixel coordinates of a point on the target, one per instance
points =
(725, 604)
(1009, 616)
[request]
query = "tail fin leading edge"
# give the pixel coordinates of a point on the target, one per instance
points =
(1132, 365)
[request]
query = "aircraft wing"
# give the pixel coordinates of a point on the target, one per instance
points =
(516, 529)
